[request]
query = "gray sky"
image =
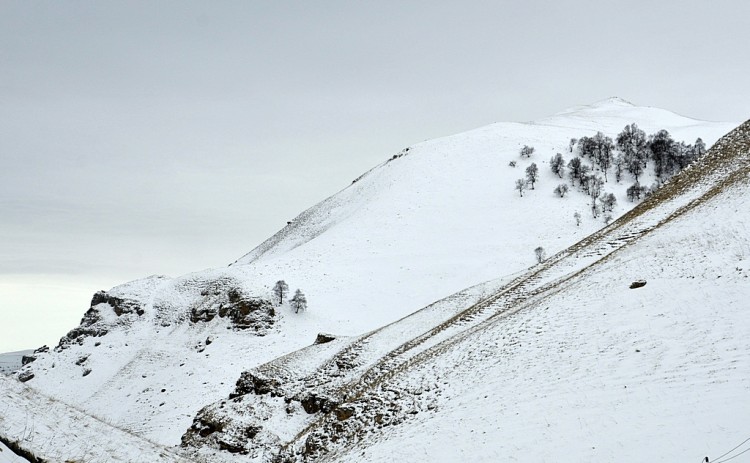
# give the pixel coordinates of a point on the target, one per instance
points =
(166, 137)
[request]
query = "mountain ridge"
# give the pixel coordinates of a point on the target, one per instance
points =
(383, 248)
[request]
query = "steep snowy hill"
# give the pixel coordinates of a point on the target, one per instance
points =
(51, 431)
(631, 345)
(434, 219)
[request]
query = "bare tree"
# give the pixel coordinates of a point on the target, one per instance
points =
(532, 174)
(527, 151)
(561, 189)
(619, 164)
(576, 171)
(520, 186)
(634, 191)
(595, 209)
(608, 201)
(281, 289)
(557, 164)
(540, 254)
(577, 217)
(298, 301)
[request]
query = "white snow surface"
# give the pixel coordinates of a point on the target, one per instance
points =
(7, 456)
(564, 362)
(439, 217)
(57, 432)
(595, 371)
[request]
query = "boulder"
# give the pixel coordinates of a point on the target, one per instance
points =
(323, 338)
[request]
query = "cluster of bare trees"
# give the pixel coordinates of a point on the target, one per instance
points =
(298, 302)
(631, 152)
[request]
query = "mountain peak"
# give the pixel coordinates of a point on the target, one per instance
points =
(613, 101)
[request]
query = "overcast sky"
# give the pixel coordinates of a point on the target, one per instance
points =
(166, 137)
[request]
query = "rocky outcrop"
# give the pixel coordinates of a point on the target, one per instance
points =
(25, 375)
(244, 312)
(323, 338)
(119, 305)
(313, 403)
(26, 359)
(213, 428)
(92, 324)
(253, 382)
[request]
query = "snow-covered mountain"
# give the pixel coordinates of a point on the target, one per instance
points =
(630, 345)
(434, 219)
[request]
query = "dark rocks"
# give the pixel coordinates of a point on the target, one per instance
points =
(216, 428)
(637, 284)
(77, 335)
(92, 325)
(26, 359)
(323, 338)
(86, 371)
(119, 305)
(42, 349)
(25, 375)
(249, 313)
(202, 315)
(344, 413)
(253, 382)
(314, 404)
(313, 444)
(231, 447)
(244, 312)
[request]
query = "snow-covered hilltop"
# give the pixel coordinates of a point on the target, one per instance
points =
(434, 219)
(629, 345)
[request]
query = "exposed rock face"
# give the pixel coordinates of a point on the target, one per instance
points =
(638, 284)
(212, 427)
(25, 375)
(119, 305)
(26, 359)
(243, 311)
(253, 382)
(314, 404)
(92, 322)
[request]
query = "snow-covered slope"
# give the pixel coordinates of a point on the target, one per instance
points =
(591, 370)
(52, 431)
(434, 219)
(569, 361)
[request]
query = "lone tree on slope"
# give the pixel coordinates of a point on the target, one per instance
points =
(520, 186)
(540, 254)
(298, 301)
(527, 151)
(281, 289)
(532, 174)
(561, 189)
